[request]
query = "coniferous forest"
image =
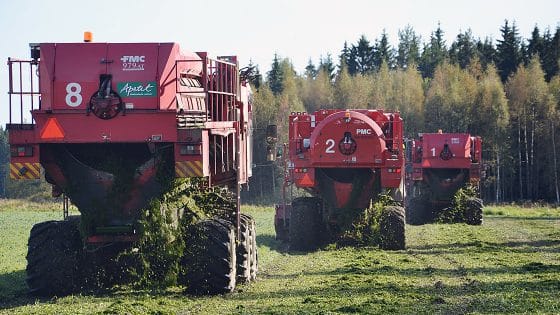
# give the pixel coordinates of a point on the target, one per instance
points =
(506, 90)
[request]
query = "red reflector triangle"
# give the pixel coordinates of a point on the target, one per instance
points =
(52, 130)
(306, 180)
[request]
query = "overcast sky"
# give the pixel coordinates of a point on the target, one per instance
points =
(255, 29)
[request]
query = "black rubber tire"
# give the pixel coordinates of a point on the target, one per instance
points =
(305, 224)
(392, 228)
(417, 211)
(282, 231)
(210, 258)
(54, 251)
(254, 250)
(243, 250)
(473, 211)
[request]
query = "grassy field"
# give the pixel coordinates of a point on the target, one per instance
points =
(510, 264)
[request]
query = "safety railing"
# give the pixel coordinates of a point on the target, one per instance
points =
(23, 90)
(208, 95)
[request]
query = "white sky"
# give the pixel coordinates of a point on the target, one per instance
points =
(255, 29)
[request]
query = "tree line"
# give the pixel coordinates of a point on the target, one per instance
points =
(507, 92)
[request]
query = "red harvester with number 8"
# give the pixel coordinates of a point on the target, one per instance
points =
(108, 122)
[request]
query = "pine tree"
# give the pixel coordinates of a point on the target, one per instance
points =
(251, 74)
(463, 49)
(275, 77)
(326, 64)
(523, 53)
(551, 54)
(344, 55)
(310, 70)
(508, 51)
(536, 44)
(409, 48)
(434, 53)
(382, 53)
(486, 52)
(361, 57)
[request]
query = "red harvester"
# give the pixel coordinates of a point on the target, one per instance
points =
(344, 159)
(108, 122)
(438, 165)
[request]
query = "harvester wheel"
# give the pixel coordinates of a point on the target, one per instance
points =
(254, 251)
(243, 250)
(392, 228)
(210, 261)
(282, 231)
(305, 224)
(473, 211)
(417, 211)
(54, 250)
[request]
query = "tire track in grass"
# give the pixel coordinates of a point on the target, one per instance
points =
(458, 259)
(420, 235)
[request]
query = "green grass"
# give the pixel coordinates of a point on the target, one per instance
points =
(510, 264)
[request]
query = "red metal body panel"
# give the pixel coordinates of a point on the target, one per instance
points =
(69, 74)
(441, 163)
(67, 66)
(22, 136)
(133, 127)
(140, 103)
(377, 137)
(464, 151)
(433, 145)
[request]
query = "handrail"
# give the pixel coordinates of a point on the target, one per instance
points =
(22, 83)
(217, 84)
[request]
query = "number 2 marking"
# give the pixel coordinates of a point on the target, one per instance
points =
(73, 96)
(330, 146)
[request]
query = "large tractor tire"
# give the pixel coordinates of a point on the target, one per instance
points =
(253, 252)
(243, 250)
(392, 228)
(282, 231)
(210, 258)
(54, 251)
(473, 211)
(254, 265)
(417, 211)
(305, 224)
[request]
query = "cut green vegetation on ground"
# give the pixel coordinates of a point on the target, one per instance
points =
(510, 264)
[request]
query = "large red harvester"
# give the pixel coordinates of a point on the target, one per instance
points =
(112, 124)
(344, 158)
(438, 165)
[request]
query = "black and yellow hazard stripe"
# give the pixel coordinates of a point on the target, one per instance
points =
(188, 169)
(25, 170)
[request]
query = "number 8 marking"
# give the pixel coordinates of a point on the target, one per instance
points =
(73, 96)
